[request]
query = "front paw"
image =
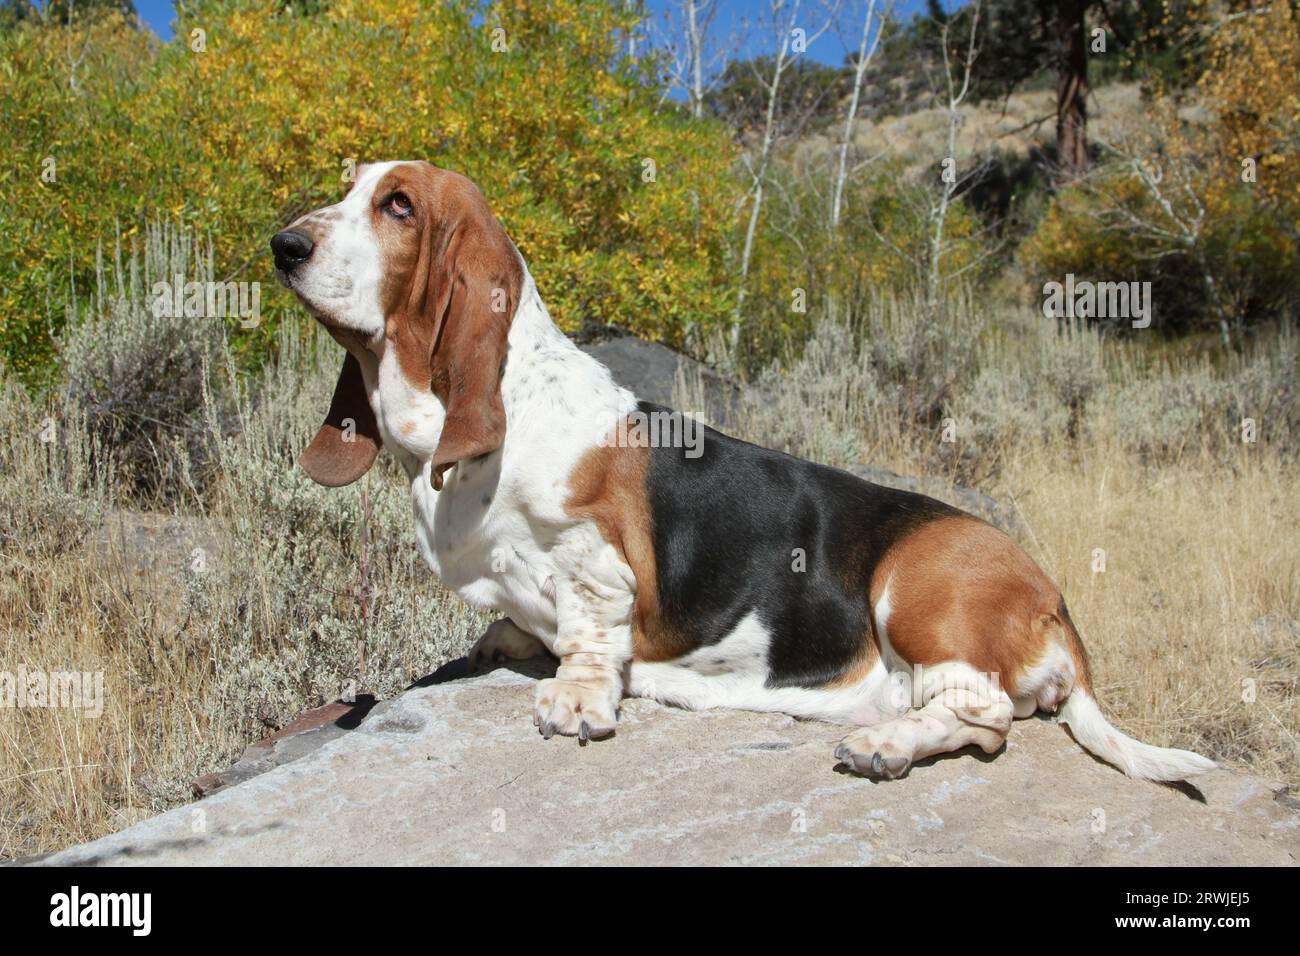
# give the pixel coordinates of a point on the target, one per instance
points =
(585, 711)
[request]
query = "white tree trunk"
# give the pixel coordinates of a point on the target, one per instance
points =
(939, 212)
(865, 54)
(695, 55)
(760, 172)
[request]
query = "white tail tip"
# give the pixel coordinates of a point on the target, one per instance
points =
(1143, 761)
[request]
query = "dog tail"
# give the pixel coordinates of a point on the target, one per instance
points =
(1096, 734)
(1143, 761)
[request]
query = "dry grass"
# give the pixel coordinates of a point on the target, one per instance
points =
(1193, 625)
(212, 627)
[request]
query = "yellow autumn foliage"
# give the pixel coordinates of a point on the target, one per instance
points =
(253, 114)
(1253, 86)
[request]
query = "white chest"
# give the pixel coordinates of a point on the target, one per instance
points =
(497, 532)
(477, 537)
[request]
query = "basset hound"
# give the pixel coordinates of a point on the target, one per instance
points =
(652, 556)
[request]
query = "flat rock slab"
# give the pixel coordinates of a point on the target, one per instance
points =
(650, 370)
(455, 773)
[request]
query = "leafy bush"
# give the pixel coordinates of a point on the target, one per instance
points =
(619, 207)
(959, 397)
(1166, 410)
(236, 615)
(1243, 247)
(138, 374)
(885, 380)
(1201, 199)
(804, 269)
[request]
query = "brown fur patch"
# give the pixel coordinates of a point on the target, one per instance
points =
(334, 458)
(1083, 671)
(608, 487)
(961, 590)
(452, 282)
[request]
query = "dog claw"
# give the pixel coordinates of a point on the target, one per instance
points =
(571, 709)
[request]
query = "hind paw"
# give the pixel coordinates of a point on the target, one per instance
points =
(874, 755)
(504, 641)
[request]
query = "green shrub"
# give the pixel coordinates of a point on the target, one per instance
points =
(995, 379)
(278, 609)
(879, 247)
(136, 368)
(1242, 244)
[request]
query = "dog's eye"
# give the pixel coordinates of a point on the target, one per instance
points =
(399, 205)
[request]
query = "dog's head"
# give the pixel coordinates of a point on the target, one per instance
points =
(411, 260)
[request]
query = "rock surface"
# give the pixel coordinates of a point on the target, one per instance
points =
(453, 772)
(650, 370)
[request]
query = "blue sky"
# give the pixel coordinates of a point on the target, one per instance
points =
(833, 45)
(158, 14)
(831, 48)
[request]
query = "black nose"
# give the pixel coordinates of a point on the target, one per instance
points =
(291, 248)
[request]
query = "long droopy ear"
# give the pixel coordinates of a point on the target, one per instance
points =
(478, 278)
(348, 441)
